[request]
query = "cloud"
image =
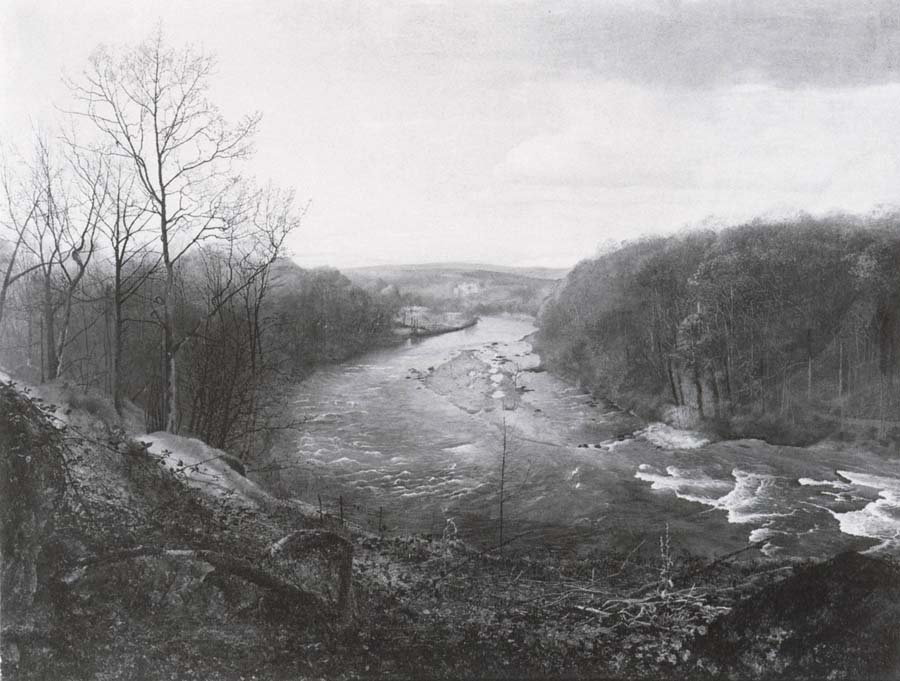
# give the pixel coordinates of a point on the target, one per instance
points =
(613, 135)
(812, 142)
(711, 43)
(624, 160)
(704, 43)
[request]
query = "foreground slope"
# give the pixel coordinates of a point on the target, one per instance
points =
(150, 557)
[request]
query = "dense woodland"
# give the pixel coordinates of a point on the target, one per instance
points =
(784, 330)
(137, 261)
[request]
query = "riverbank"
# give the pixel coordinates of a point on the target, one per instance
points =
(420, 322)
(437, 330)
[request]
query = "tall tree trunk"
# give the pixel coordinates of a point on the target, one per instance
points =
(714, 384)
(840, 390)
(762, 384)
(886, 341)
(672, 386)
(118, 335)
(28, 355)
(227, 419)
(171, 389)
(64, 332)
(698, 387)
(50, 332)
(809, 372)
(42, 353)
(170, 347)
(729, 396)
(8, 277)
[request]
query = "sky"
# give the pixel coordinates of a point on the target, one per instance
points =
(516, 132)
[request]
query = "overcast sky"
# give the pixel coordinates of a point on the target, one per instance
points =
(519, 132)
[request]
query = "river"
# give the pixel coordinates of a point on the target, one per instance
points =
(410, 439)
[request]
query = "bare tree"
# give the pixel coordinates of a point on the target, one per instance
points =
(150, 102)
(21, 200)
(79, 228)
(232, 279)
(515, 477)
(124, 226)
(59, 241)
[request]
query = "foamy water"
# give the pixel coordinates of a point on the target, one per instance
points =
(665, 436)
(748, 498)
(781, 507)
(879, 519)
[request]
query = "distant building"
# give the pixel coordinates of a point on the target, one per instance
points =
(466, 289)
(412, 315)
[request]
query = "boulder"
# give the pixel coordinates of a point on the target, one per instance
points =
(323, 562)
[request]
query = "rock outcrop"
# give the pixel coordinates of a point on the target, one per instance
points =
(839, 619)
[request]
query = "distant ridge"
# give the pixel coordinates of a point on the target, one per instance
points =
(533, 272)
(471, 287)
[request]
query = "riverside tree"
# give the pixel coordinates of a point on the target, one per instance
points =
(21, 208)
(229, 282)
(150, 104)
(123, 227)
(55, 242)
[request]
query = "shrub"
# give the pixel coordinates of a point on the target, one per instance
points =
(799, 430)
(91, 403)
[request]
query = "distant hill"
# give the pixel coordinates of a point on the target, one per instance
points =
(477, 288)
(530, 272)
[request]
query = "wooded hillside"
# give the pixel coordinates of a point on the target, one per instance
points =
(787, 330)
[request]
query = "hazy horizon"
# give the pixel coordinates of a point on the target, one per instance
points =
(517, 133)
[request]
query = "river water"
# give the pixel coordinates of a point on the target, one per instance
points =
(410, 439)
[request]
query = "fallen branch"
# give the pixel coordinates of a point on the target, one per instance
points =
(592, 611)
(717, 561)
(627, 558)
(228, 564)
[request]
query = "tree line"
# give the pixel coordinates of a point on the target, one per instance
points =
(137, 259)
(787, 330)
